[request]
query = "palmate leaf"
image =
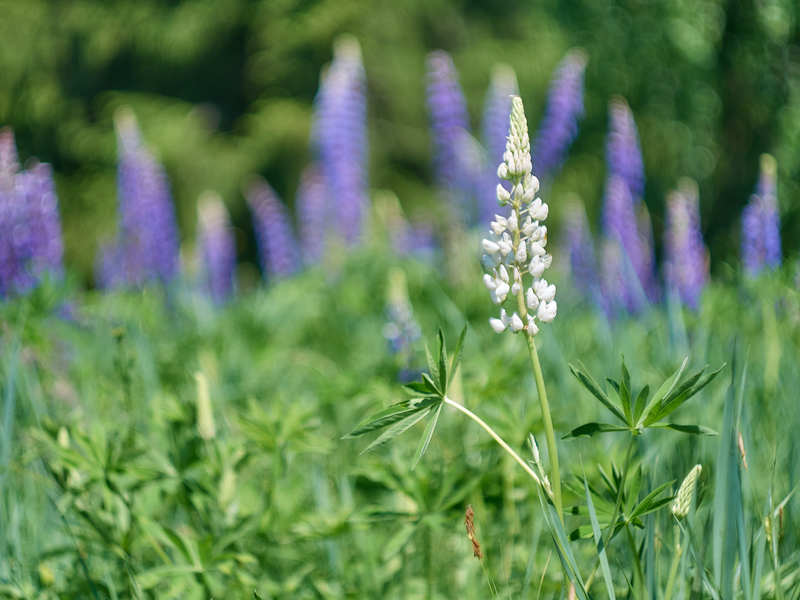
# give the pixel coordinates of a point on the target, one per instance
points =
(426, 438)
(593, 388)
(678, 396)
(398, 428)
(392, 414)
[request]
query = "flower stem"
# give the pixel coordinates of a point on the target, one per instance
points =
(494, 435)
(552, 450)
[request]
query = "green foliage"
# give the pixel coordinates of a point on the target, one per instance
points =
(643, 412)
(110, 487)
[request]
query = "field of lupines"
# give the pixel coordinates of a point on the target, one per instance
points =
(463, 406)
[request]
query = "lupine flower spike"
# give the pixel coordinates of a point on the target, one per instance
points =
(312, 214)
(146, 247)
(449, 119)
(217, 246)
(340, 134)
(277, 247)
(515, 255)
(686, 263)
(564, 108)
(683, 499)
(581, 252)
(30, 228)
(623, 154)
(761, 238)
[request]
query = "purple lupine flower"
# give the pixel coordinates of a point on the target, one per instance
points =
(449, 121)
(559, 125)
(413, 238)
(761, 237)
(30, 228)
(217, 246)
(147, 241)
(580, 249)
(623, 154)
(277, 247)
(340, 134)
(621, 226)
(312, 214)
(686, 261)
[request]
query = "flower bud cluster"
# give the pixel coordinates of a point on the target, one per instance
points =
(685, 495)
(514, 254)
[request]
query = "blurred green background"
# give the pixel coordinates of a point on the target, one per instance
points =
(225, 89)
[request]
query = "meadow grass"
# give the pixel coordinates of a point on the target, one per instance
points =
(108, 488)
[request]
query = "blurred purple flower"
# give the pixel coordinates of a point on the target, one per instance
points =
(761, 237)
(218, 247)
(449, 122)
(146, 247)
(277, 247)
(559, 125)
(686, 260)
(634, 238)
(312, 214)
(623, 154)
(30, 227)
(339, 133)
(580, 249)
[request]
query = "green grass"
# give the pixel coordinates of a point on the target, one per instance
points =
(107, 490)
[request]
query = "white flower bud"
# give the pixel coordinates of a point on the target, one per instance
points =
(502, 171)
(516, 323)
(531, 300)
(516, 288)
(683, 499)
(497, 325)
(512, 222)
(547, 311)
(536, 267)
(503, 196)
(544, 291)
(503, 273)
(497, 228)
(489, 246)
(489, 282)
(522, 253)
(500, 293)
(539, 210)
(537, 248)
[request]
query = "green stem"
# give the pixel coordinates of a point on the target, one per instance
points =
(676, 559)
(637, 563)
(552, 449)
(494, 435)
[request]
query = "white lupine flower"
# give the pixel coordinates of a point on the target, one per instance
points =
(503, 195)
(517, 242)
(497, 325)
(531, 300)
(547, 311)
(490, 246)
(544, 291)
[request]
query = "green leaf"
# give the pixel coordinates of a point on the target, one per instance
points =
(433, 366)
(398, 428)
(442, 363)
(426, 438)
(664, 389)
(593, 388)
(456, 360)
(598, 540)
(625, 394)
(421, 387)
(693, 429)
(641, 401)
(392, 414)
(590, 429)
(680, 395)
(645, 505)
